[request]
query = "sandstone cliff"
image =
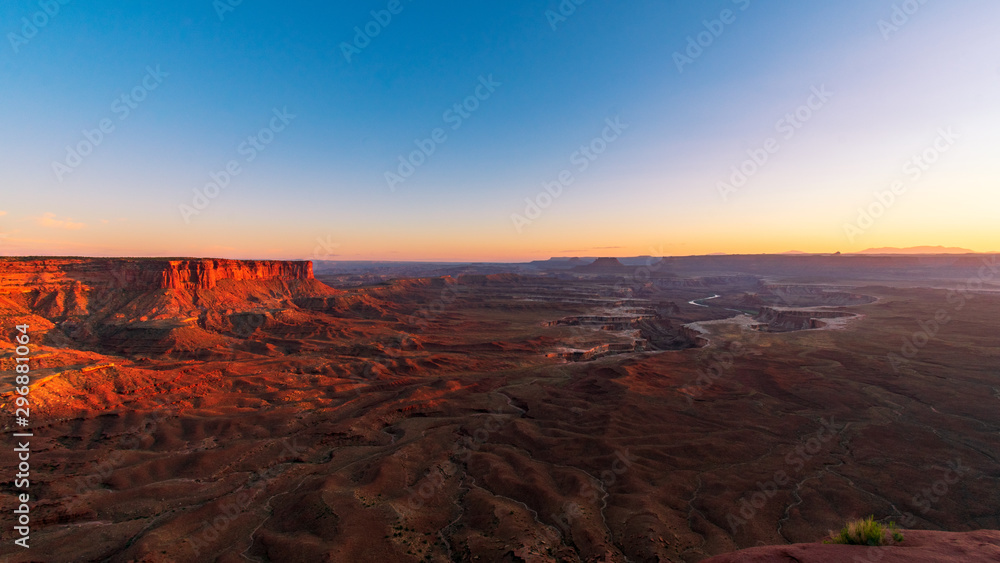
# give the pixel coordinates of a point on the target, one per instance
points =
(20, 274)
(781, 319)
(136, 305)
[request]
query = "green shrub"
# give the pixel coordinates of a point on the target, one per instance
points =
(867, 532)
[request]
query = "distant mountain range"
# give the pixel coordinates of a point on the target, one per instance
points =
(894, 250)
(917, 250)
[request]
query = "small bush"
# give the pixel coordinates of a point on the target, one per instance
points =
(867, 532)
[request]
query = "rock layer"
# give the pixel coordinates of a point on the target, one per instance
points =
(142, 273)
(781, 319)
(132, 305)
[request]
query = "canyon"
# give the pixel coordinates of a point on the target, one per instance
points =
(142, 274)
(224, 410)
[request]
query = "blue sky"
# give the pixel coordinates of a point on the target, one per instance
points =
(654, 189)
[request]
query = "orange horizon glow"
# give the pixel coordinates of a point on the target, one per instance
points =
(471, 256)
(57, 235)
(894, 143)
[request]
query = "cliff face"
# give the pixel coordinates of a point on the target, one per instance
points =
(709, 281)
(138, 305)
(26, 274)
(205, 274)
(782, 320)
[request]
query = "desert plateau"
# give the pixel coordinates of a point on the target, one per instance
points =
(224, 410)
(558, 281)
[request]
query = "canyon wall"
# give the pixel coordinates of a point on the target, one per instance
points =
(782, 320)
(144, 274)
(149, 305)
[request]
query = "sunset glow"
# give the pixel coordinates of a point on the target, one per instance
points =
(496, 111)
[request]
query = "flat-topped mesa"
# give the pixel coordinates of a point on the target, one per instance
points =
(603, 265)
(143, 274)
(780, 319)
(205, 274)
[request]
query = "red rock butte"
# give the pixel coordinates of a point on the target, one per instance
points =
(603, 265)
(150, 302)
(145, 273)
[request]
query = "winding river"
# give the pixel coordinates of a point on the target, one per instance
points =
(696, 301)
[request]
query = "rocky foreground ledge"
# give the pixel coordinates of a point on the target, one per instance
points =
(918, 546)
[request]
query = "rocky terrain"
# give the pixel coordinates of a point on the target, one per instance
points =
(927, 547)
(267, 416)
(142, 274)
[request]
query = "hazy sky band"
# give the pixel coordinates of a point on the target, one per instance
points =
(490, 111)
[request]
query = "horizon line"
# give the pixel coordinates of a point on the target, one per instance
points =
(790, 254)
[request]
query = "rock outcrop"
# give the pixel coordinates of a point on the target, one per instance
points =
(142, 273)
(132, 305)
(779, 319)
(602, 266)
(924, 546)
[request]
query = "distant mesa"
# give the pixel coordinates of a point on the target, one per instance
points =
(605, 263)
(560, 263)
(643, 266)
(602, 265)
(917, 250)
(181, 306)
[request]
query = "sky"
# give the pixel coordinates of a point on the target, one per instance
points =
(496, 131)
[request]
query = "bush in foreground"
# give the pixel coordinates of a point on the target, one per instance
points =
(867, 532)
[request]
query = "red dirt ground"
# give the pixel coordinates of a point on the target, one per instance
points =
(278, 419)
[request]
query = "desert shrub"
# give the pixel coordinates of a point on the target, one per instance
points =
(867, 532)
